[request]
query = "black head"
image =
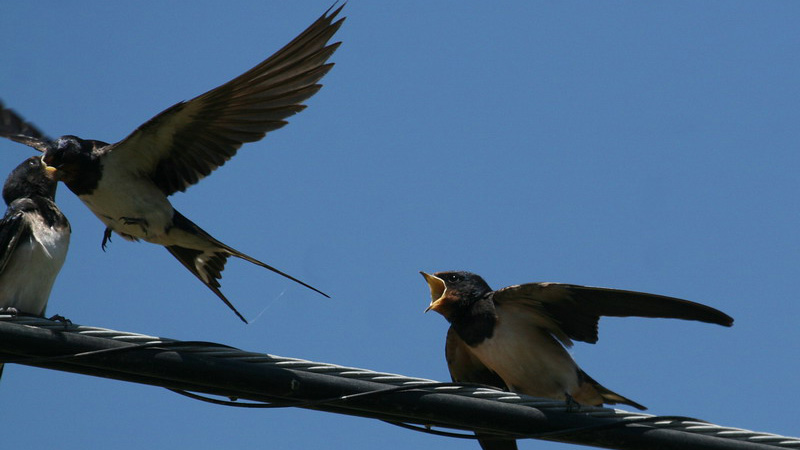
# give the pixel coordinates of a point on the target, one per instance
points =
(67, 155)
(29, 179)
(452, 290)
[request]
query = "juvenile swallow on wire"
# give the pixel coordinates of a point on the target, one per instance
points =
(516, 338)
(126, 184)
(34, 234)
(34, 238)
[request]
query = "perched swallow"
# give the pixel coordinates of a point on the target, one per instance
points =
(515, 338)
(126, 184)
(34, 237)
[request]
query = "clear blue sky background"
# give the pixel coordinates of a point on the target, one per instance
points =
(650, 146)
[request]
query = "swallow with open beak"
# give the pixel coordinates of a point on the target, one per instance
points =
(516, 338)
(126, 184)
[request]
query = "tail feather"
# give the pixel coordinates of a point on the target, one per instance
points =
(207, 264)
(241, 255)
(181, 222)
(590, 392)
(612, 398)
(212, 271)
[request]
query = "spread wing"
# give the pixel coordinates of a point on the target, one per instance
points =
(12, 229)
(187, 141)
(572, 312)
(12, 124)
(14, 127)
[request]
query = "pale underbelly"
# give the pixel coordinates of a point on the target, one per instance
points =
(132, 216)
(39, 262)
(530, 361)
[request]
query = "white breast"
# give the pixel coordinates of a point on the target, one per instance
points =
(528, 358)
(120, 195)
(37, 259)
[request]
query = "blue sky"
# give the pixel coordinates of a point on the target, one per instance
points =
(650, 146)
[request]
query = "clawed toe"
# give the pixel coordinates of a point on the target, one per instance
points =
(572, 405)
(14, 312)
(106, 238)
(62, 319)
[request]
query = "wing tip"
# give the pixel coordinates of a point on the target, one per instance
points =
(328, 15)
(725, 320)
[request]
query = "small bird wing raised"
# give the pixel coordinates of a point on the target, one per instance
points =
(572, 312)
(188, 140)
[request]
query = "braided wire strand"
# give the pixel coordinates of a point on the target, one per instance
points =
(396, 380)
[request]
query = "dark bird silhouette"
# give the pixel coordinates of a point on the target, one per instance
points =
(126, 184)
(514, 338)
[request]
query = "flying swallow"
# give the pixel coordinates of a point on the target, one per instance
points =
(34, 237)
(126, 184)
(516, 338)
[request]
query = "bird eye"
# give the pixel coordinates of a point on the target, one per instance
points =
(452, 277)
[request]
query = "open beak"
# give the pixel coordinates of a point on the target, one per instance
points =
(438, 289)
(49, 171)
